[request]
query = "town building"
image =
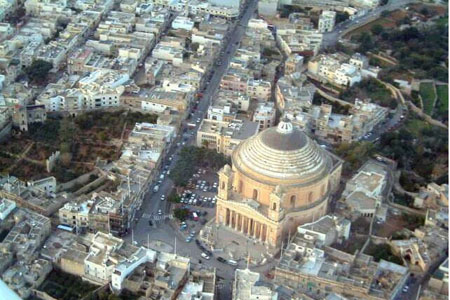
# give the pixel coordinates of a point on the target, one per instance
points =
(249, 285)
(201, 284)
(438, 282)
(224, 136)
(365, 192)
(265, 115)
(326, 21)
(319, 272)
(23, 116)
(426, 246)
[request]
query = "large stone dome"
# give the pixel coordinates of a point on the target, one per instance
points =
(282, 155)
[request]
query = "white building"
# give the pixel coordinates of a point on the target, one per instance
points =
(6, 207)
(182, 22)
(259, 89)
(265, 114)
(327, 20)
(172, 54)
(226, 3)
(247, 285)
(347, 75)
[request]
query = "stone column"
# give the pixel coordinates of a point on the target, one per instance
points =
(264, 233)
(242, 223)
(246, 225)
(251, 225)
(258, 230)
(255, 227)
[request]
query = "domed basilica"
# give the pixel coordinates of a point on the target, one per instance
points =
(279, 179)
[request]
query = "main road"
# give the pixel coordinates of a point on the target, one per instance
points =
(331, 38)
(160, 228)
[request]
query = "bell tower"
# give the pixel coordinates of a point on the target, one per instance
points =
(225, 182)
(276, 212)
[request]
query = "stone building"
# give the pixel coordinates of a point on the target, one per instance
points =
(279, 179)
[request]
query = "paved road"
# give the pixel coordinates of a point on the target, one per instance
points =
(331, 38)
(161, 228)
(390, 124)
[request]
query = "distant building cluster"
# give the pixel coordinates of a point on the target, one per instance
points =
(340, 69)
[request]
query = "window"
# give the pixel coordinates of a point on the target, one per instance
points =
(274, 206)
(310, 196)
(322, 190)
(240, 186)
(292, 201)
(223, 185)
(255, 194)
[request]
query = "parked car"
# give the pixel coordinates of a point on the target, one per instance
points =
(205, 256)
(232, 262)
(221, 259)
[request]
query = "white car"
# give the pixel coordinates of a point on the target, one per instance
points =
(159, 212)
(205, 256)
(163, 197)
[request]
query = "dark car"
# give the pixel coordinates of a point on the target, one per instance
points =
(209, 253)
(222, 260)
(150, 223)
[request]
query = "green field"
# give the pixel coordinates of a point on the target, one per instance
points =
(442, 93)
(428, 97)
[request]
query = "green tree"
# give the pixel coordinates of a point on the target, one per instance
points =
(377, 29)
(194, 46)
(205, 143)
(341, 17)
(181, 213)
(365, 42)
(38, 70)
(385, 13)
(193, 157)
(67, 130)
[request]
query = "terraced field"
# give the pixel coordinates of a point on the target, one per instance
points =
(428, 97)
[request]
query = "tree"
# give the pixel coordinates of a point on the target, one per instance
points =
(377, 29)
(205, 143)
(38, 70)
(385, 13)
(66, 130)
(366, 42)
(194, 46)
(180, 213)
(341, 17)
